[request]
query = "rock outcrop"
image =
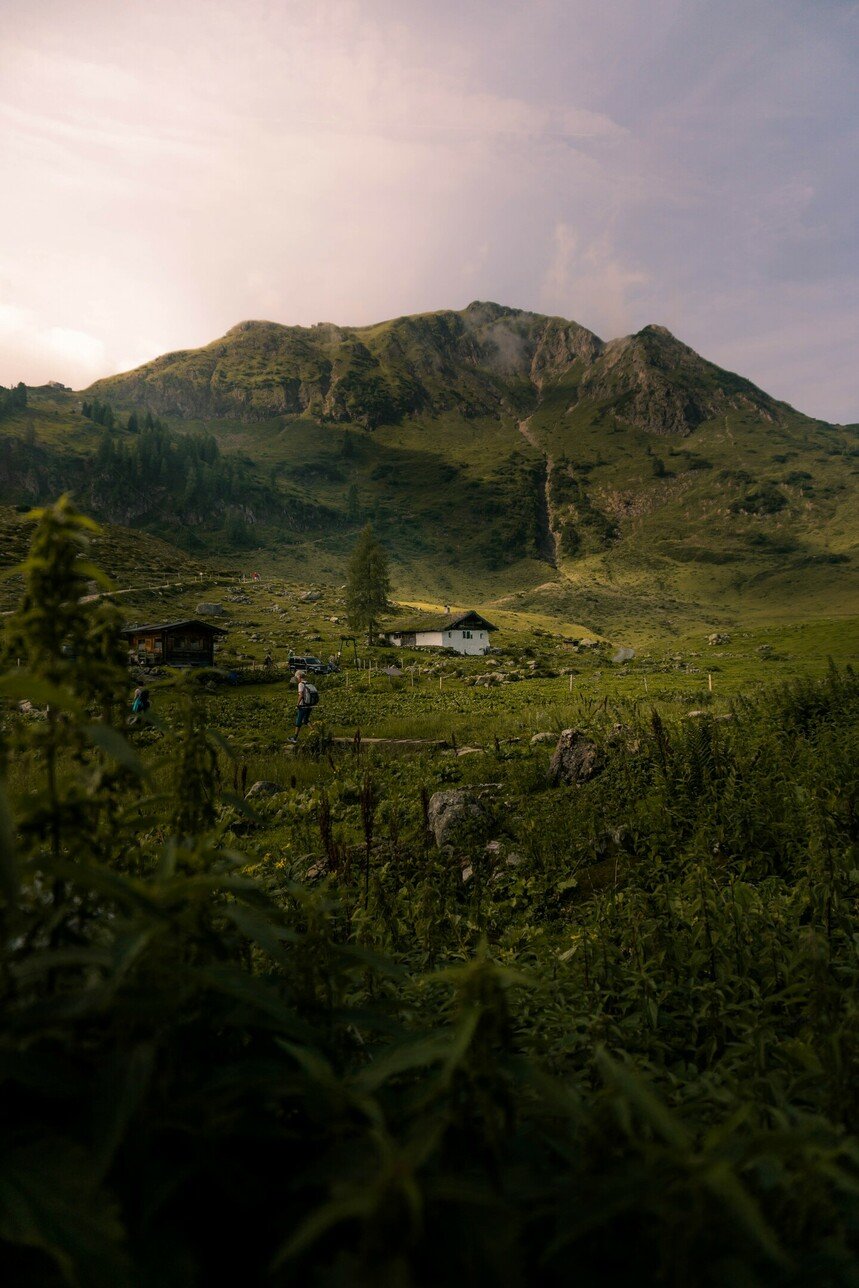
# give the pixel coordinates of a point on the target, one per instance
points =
(576, 759)
(479, 361)
(457, 817)
(262, 788)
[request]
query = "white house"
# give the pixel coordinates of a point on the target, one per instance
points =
(463, 632)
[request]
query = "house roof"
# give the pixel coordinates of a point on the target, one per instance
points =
(450, 622)
(156, 627)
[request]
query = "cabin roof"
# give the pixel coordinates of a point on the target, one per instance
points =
(156, 628)
(444, 622)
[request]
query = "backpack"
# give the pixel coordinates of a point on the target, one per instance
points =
(141, 702)
(311, 695)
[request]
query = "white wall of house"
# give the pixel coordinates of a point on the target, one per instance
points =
(470, 642)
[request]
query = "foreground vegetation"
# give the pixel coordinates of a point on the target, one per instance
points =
(610, 1032)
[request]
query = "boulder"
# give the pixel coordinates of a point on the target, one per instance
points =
(263, 787)
(211, 610)
(310, 597)
(495, 858)
(717, 638)
(576, 759)
(35, 713)
(456, 817)
(624, 655)
(546, 736)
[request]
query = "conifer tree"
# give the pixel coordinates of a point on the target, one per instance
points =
(367, 584)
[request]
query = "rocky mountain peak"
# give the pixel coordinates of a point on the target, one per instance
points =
(484, 360)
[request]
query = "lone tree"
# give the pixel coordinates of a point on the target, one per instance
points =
(367, 584)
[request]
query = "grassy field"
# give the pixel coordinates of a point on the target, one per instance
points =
(549, 684)
(598, 1024)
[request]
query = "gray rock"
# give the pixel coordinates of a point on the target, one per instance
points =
(211, 610)
(310, 597)
(717, 638)
(457, 816)
(624, 655)
(545, 736)
(576, 759)
(263, 787)
(35, 713)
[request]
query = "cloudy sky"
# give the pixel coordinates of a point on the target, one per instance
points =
(172, 167)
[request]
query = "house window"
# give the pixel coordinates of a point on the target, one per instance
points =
(466, 635)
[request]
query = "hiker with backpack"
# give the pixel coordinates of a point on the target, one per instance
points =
(308, 696)
(139, 704)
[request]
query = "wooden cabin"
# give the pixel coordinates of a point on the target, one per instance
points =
(463, 632)
(185, 643)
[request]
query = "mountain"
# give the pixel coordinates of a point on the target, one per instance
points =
(503, 457)
(481, 361)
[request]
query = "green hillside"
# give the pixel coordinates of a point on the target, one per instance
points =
(506, 459)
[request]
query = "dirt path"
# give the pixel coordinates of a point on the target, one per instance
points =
(136, 590)
(391, 742)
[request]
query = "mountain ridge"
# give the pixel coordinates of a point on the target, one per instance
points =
(501, 455)
(486, 359)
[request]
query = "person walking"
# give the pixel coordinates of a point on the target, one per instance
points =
(302, 711)
(139, 704)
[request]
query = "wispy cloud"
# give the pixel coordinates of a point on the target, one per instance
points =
(37, 351)
(175, 168)
(591, 281)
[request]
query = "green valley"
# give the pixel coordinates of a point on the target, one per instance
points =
(506, 460)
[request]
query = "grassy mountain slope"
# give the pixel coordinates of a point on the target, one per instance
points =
(507, 459)
(483, 360)
(129, 558)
